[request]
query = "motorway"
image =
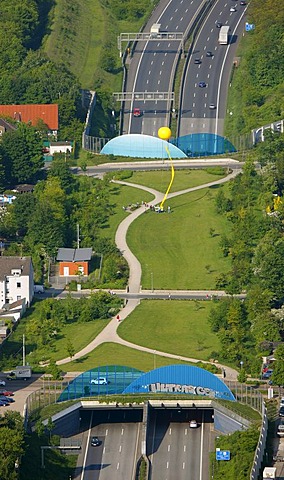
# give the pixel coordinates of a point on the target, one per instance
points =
(196, 116)
(150, 69)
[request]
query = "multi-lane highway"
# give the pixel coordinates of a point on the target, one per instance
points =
(214, 68)
(150, 69)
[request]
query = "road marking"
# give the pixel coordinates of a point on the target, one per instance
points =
(205, 95)
(147, 81)
(194, 94)
(104, 450)
(185, 431)
(159, 81)
(165, 54)
(201, 446)
(169, 448)
(183, 465)
(122, 431)
(171, 19)
(163, 62)
(186, 10)
(161, 71)
(170, 431)
(106, 431)
(184, 448)
(155, 53)
(193, 105)
(120, 448)
(167, 464)
(181, 19)
(169, 45)
(208, 39)
(158, 44)
(152, 62)
(117, 466)
(86, 451)
(176, 10)
(149, 72)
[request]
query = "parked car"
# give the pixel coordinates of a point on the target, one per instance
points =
(280, 429)
(4, 403)
(2, 383)
(99, 381)
(95, 442)
(281, 412)
(282, 402)
(193, 424)
(7, 393)
(267, 374)
(7, 399)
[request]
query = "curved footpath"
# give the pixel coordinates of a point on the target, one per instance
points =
(109, 333)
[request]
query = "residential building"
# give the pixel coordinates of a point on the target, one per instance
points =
(47, 113)
(74, 261)
(16, 280)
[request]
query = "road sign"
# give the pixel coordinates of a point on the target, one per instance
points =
(223, 454)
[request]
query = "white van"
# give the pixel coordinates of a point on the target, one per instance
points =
(99, 381)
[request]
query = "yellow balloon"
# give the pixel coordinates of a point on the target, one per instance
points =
(164, 133)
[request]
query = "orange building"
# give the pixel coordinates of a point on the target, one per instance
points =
(74, 261)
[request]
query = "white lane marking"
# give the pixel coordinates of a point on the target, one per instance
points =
(208, 76)
(120, 448)
(176, 27)
(152, 62)
(204, 115)
(106, 431)
(170, 431)
(165, 54)
(167, 26)
(208, 39)
(184, 448)
(117, 466)
(149, 72)
(181, 19)
(201, 445)
(167, 464)
(158, 44)
(205, 95)
(147, 81)
(183, 465)
(87, 448)
(155, 53)
(104, 450)
(161, 71)
(122, 431)
(159, 81)
(171, 19)
(176, 10)
(169, 45)
(210, 66)
(185, 431)
(186, 10)
(163, 62)
(192, 115)
(169, 448)
(194, 94)
(193, 105)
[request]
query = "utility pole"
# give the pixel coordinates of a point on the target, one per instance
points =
(24, 351)
(78, 235)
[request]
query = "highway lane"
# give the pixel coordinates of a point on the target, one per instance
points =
(178, 451)
(214, 70)
(116, 457)
(152, 71)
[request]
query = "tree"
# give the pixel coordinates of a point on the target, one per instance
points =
(50, 426)
(70, 348)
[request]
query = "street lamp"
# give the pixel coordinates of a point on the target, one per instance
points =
(241, 364)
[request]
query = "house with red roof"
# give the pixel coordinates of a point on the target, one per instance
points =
(47, 113)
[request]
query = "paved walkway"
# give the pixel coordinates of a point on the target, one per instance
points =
(109, 334)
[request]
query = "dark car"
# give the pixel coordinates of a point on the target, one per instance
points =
(4, 403)
(243, 3)
(137, 112)
(95, 442)
(218, 24)
(209, 54)
(281, 412)
(197, 61)
(202, 84)
(6, 399)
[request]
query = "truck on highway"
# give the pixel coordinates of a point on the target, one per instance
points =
(224, 35)
(20, 373)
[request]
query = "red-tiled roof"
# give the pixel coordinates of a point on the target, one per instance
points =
(32, 113)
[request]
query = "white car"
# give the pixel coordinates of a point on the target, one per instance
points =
(233, 9)
(99, 381)
(2, 383)
(193, 424)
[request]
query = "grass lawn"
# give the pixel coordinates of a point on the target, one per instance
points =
(183, 179)
(181, 250)
(80, 335)
(177, 326)
(121, 196)
(115, 354)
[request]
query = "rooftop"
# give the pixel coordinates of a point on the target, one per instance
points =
(9, 263)
(48, 113)
(74, 254)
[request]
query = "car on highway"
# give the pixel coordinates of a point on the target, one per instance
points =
(95, 442)
(7, 393)
(136, 112)
(243, 3)
(209, 54)
(2, 383)
(218, 24)
(233, 9)
(281, 412)
(99, 381)
(197, 61)
(193, 424)
(212, 106)
(202, 84)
